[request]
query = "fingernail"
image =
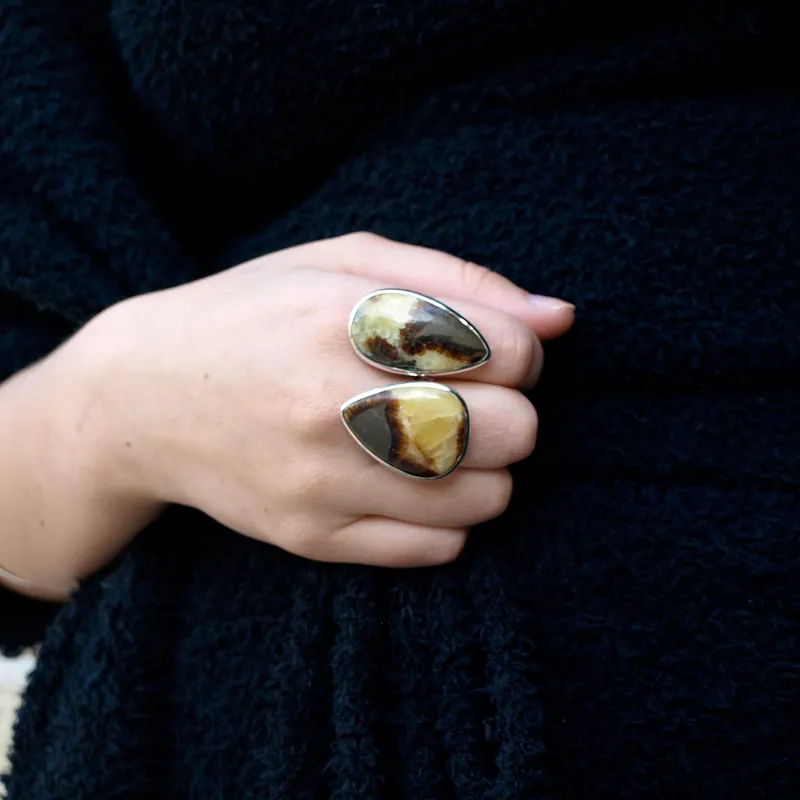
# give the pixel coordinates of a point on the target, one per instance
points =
(549, 303)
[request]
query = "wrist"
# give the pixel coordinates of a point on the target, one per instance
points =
(68, 484)
(99, 422)
(94, 462)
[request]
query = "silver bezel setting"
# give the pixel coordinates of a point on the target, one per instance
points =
(421, 384)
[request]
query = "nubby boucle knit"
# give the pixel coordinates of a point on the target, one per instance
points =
(630, 628)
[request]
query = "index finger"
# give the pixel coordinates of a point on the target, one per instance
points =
(435, 273)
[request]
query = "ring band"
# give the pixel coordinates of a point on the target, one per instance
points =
(420, 429)
(15, 580)
(408, 333)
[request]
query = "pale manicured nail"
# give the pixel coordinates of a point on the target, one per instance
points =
(549, 303)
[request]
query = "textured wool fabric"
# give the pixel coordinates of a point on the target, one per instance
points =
(630, 628)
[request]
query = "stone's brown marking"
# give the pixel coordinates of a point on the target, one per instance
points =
(414, 343)
(461, 436)
(128, 444)
(352, 411)
(382, 349)
(408, 337)
(413, 468)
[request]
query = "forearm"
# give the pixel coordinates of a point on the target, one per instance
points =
(64, 508)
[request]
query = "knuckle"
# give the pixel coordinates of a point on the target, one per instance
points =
(475, 277)
(363, 240)
(305, 483)
(517, 349)
(313, 482)
(526, 428)
(439, 547)
(448, 546)
(311, 419)
(302, 535)
(499, 494)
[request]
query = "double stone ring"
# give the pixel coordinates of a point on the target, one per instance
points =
(419, 428)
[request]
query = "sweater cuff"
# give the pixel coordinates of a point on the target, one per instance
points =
(23, 621)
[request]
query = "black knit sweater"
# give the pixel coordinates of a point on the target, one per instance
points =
(631, 627)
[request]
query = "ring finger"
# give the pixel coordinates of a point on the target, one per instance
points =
(503, 427)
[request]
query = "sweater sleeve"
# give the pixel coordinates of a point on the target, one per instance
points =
(22, 621)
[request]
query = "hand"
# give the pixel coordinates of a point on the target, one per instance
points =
(224, 395)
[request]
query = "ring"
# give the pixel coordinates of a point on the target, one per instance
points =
(15, 580)
(411, 334)
(420, 429)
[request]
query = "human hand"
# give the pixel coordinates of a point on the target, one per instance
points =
(224, 395)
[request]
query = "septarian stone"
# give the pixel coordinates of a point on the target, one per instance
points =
(418, 428)
(411, 334)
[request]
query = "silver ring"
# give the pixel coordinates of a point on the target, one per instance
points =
(420, 429)
(408, 333)
(15, 580)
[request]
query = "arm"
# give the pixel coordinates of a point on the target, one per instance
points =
(65, 513)
(207, 395)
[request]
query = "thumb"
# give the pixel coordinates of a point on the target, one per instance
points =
(432, 272)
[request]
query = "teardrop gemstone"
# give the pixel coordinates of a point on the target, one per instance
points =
(411, 334)
(420, 429)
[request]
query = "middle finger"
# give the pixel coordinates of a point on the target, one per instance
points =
(400, 326)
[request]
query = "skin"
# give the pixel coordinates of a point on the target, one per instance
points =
(224, 395)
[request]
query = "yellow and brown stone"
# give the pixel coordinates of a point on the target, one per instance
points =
(411, 334)
(418, 428)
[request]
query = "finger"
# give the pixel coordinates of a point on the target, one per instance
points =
(432, 272)
(503, 425)
(465, 498)
(516, 352)
(386, 542)
(503, 428)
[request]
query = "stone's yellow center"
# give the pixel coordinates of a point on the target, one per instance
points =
(417, 428)
(384, 315)
(433, 427)
(408, 333)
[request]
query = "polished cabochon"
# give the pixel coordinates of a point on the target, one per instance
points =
(420, 429)
(411, 334)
